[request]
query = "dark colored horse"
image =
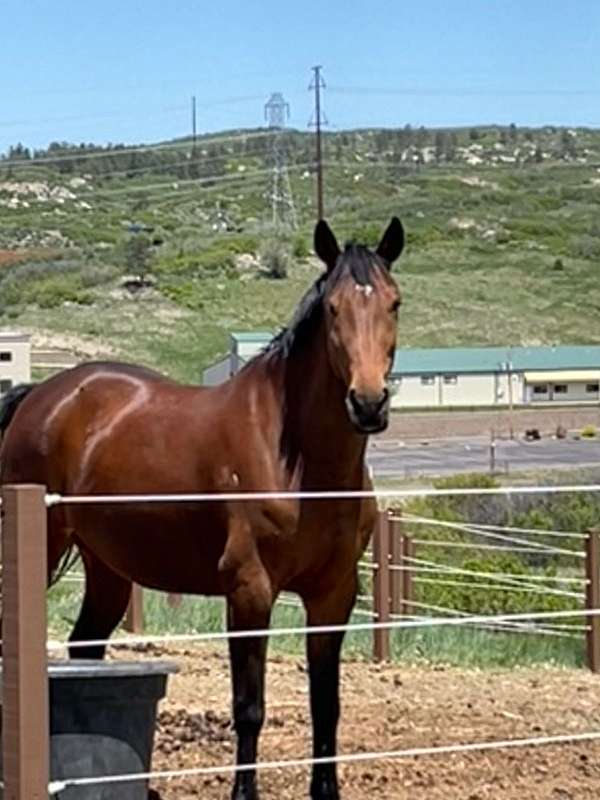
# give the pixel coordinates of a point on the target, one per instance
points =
(296, 417)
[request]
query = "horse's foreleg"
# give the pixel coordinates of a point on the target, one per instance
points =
(249, 603)
(104, 603)
(323, 652)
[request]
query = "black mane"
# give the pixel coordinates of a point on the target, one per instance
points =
(358, 262)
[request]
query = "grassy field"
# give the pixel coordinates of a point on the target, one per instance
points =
(497, 253)
(452, 646)
(470, 594)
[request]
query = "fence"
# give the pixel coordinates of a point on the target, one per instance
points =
(396, 571)
(395, 567)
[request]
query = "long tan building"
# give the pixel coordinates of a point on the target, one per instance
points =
(465, 377)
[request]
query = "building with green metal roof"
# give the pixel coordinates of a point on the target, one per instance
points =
(465, 376)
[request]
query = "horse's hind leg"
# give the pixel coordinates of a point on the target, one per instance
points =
(104, 603)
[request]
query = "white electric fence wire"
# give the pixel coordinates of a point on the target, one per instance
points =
(353, 494)
(55, 787)
(524, 588)
(509, 579)
(488, 527)
(474, 546)
(502, 537)
(432, 622)
(510, 627)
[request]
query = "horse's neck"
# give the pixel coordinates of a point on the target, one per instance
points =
(316, 422)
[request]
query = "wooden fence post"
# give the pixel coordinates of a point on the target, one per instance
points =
(592, 593)
(381, 586)
(396, 575)
(408, 586)
(134, 617)
(25, 718)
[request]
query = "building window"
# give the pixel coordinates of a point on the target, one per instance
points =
(5, 386)
(592, 388)
(451, 380)
(540, 388)
(560, 388)
(5, 355)
(427, 380)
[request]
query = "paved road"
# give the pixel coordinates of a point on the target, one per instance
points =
(399, 459)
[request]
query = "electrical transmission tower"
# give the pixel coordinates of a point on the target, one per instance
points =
(277, 112)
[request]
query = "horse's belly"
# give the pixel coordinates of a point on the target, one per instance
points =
(174, 551)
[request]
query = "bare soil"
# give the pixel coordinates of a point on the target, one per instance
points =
(442, 424)
(388, 707)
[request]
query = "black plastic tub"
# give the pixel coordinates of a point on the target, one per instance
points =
(102, 721)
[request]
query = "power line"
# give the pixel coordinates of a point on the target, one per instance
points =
(81, 117)
(190, 181)
(462, 91)
(119, 151)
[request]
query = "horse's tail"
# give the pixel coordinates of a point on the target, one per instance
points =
(8, 406)
(10, 402)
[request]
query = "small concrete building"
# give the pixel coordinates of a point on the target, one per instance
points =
(465, 377)
(15, 360)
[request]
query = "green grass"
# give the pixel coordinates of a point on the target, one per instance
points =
(465, 647)
(522, 272)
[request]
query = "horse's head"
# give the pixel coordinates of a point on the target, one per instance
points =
(361, 302)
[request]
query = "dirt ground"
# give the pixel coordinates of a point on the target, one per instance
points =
(387, 707)
(440, 424)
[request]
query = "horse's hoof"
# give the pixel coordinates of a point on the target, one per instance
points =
(245, 793)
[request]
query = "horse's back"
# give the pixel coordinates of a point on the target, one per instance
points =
(74, 415)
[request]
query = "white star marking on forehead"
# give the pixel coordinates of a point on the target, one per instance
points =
(365, 288)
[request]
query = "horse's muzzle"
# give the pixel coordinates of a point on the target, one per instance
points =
(368, 413)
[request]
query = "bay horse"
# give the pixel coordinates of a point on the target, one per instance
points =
(296, 417)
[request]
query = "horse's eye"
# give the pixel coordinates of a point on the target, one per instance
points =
(395, 306)
(333, 310)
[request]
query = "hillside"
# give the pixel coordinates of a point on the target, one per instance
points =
(503, 237)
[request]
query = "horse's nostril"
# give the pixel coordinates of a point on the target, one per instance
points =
(368, 404)
(355, 401)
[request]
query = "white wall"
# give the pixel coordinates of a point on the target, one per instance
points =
(410, 393)
(468, 390)
(17, 369)
(217, 373)
(576, 393)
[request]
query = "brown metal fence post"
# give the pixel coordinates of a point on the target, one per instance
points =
(381, 586)
(25, 720)
(408, 586)
(134, 617)
(592, 568)
(396, 563)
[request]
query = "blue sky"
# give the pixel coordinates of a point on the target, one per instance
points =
(125, 71)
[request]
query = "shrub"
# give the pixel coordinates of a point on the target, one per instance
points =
(368, 234)
(300, 248)
(585, 246)
(589, 432)
(276, 257)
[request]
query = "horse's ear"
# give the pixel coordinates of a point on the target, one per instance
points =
(326, 246)
(392, 243)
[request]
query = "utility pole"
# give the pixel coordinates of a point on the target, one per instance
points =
(193, 122)
(317, 84)
(507, 367)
